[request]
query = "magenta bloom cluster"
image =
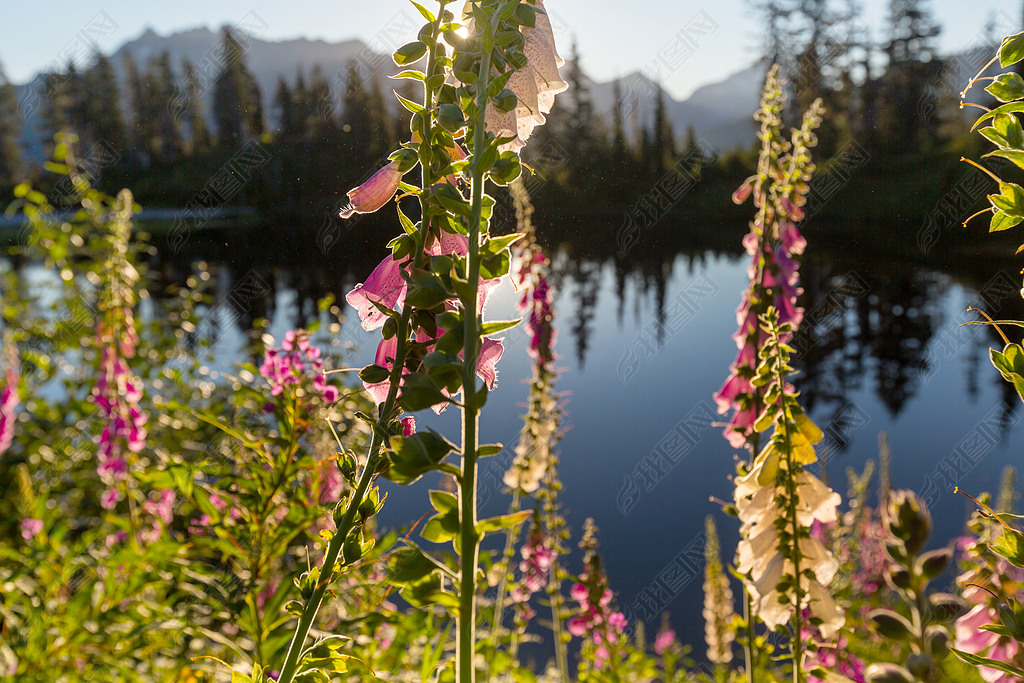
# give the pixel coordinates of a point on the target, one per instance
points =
(117, 395)
(596, 617)
(9, 401)
(295, 364)
(535, 301)
(834, 657)
(534, 569)
(773, 282)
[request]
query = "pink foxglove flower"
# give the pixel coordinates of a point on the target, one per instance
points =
(385, 286)
(9, 399)
(375, 192)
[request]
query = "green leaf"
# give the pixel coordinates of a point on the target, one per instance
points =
(1010, 364)
(1009, 108)
(412, 74)
(408, 565)
(213, 419)
(1010, 199)
(503, 522)
(449, 198)
(991, 663)
(891, 625)
(997, 629)
(494, 266)
(1002, 221)
(488, 450)
(409, 104)
(1011, 545)
(443, 501)
(441, 528)
(407, 54)
(526, 15)
(1007, 87)
(427, 14)
(415, 455)
(374, 374)
(1005, 132)
(495, 244)
(1014, 155)
(1012, 50)
(426, 290)
(496, 326)
(505, 101)
(451, 118)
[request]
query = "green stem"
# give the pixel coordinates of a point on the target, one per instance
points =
(309, 612)
(470, 539)
(785, 422)
(748, 649)
(511, 536)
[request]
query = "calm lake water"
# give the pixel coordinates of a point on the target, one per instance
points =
(643, 344)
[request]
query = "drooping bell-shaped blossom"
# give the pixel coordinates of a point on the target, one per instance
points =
(408, 425)
(535, 85)
(384, 286)
(375, 192)
(760, 557)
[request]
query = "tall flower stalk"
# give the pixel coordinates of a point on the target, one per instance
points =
(718, 606)
(785, 570)
(482, 73)
(533, 473)
(118, 392)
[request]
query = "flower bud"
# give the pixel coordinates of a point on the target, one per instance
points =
(891, 625)
(937, 640)
(906, 518)
(920, 664)
(888, 673)
(375, 192)
(931, 564)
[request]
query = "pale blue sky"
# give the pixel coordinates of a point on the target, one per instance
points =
(613, 38)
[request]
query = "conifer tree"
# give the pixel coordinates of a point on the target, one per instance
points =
(198, 132)
(663, 144)
(104, 105)
(284, 107)
(161, 83)
(10, 151)
(236, 107)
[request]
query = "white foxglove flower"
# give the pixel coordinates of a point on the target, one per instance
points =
(758, 554)
(535, 85)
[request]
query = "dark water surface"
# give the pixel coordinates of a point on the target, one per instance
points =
(643, 344)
